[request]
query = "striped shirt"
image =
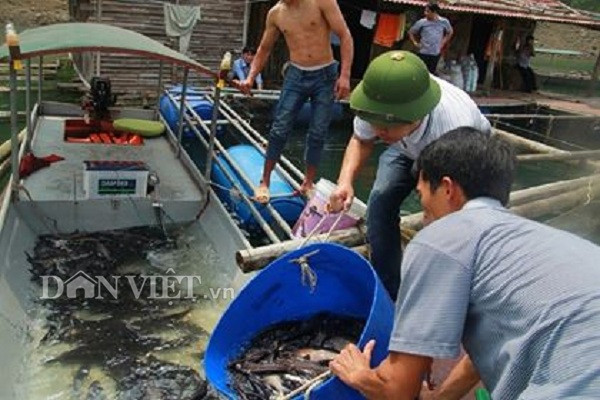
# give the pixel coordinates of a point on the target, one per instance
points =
(524, 299)
(455, 109)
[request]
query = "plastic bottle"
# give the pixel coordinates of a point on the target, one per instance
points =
(474, 74)
(456, 75)
(465, 66)
(13, 44)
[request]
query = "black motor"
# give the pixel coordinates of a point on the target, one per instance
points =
(101, 97)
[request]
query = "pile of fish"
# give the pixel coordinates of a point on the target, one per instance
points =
(290, 354)
(122, 337)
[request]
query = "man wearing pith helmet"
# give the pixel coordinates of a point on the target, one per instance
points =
(399, 102)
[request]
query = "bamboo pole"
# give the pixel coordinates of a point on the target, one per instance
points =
(254, 259)
(537, 116)
(4, 168)
(531, 203)
(557, 204)
(536, 193)
(235, 120)
(5, 147)
(529, 144)
(521, 197)
(567, 156)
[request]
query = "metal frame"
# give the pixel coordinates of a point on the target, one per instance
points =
(14, 139)
(246, 180)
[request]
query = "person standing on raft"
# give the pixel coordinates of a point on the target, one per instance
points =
(312, 74)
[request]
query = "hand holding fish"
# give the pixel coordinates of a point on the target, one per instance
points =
(352, 363)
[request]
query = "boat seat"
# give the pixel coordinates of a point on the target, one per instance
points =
(141, 127)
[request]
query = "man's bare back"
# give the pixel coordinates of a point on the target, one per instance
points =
(305, 29)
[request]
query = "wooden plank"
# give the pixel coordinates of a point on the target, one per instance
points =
(218, 30)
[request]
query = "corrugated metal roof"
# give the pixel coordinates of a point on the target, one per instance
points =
(539, 10)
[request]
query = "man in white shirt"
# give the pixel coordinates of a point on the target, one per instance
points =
(399, 102)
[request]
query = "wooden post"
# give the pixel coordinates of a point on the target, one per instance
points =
(99, 20)
(489, 74)
(246, 22)
(594, 79)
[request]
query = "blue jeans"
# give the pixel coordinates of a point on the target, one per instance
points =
(393, 183)
(299, 86)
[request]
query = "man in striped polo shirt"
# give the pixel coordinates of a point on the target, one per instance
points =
(399, 102)
(522, 298)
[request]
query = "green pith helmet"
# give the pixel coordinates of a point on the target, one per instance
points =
(396, 88)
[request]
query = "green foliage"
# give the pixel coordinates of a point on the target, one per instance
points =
(66, 71)
(590, 5)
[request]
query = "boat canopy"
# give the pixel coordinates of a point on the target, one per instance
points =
(80, 37)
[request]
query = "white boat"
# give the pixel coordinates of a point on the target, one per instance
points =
(80, 194)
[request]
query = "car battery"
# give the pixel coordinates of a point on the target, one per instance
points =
(115, 179)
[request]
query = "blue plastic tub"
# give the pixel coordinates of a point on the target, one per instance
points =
(251, 161)
(199, 104)
(347, 285)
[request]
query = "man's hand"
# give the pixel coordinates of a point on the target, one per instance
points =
(342, 88)
(351, 363)
(246, 86)
(427, 393)
(341, 198)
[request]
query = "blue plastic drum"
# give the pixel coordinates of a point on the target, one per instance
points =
(251, 162)
(199, 104)
(347, 285)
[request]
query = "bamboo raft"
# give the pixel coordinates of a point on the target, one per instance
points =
(535, 202)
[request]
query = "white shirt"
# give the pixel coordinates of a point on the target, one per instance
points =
(455, 109)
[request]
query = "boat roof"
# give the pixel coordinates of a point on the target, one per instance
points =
(76, 37)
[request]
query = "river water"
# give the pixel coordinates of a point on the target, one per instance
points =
(103, 351)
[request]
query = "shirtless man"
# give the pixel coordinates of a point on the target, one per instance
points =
(312, 73)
